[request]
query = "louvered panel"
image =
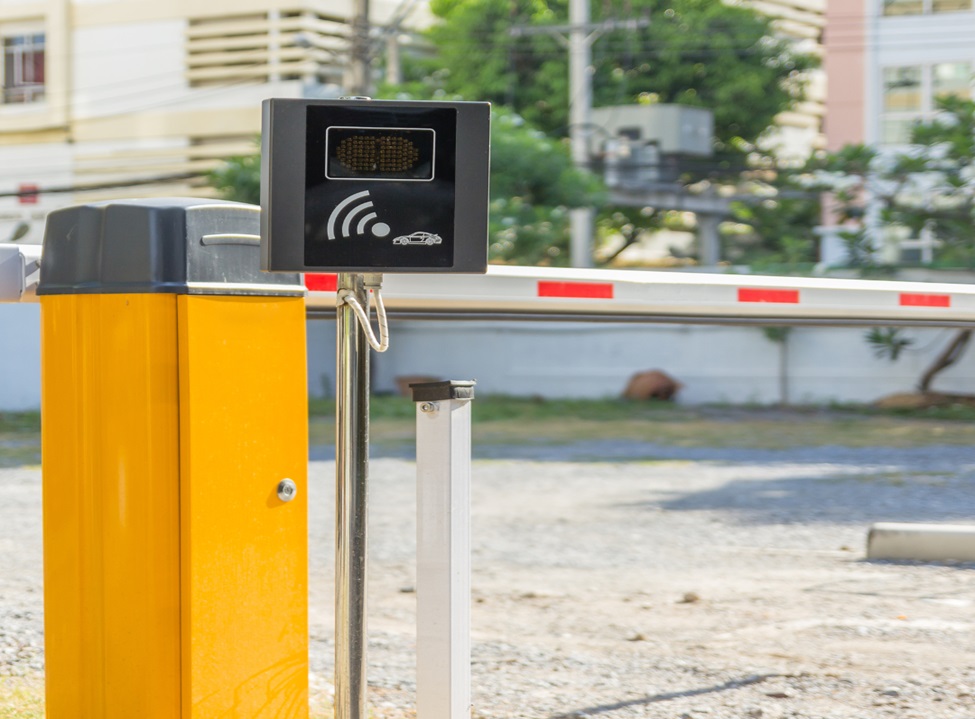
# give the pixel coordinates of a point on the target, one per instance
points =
(289, 44)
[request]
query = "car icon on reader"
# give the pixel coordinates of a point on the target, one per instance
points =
(418, 238)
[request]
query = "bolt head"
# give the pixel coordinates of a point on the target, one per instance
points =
(429, 407)
(287, 490)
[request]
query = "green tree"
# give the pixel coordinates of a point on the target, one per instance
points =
(694, 52)
(238, 178)
(533, 185)
(774, 230)
(929, 187)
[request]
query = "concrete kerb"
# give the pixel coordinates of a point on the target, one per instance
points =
(921, 542)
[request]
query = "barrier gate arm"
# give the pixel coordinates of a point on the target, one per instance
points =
(19, 272)
(538, 293)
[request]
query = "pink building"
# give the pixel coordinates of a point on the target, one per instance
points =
(888, 60)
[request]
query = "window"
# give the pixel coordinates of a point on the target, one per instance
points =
(903, 7)
(910, 94)
(921, 7)
(950, 5)
(951, 78)
(902, 103)
(23, 68)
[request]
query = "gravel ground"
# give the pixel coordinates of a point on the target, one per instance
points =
(621, 579)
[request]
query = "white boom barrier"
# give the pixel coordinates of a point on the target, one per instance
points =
(538, 293)
(19, 272)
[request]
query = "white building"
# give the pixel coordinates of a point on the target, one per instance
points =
(110, 98)
(799, 132)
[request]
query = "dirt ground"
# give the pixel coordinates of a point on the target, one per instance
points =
(719, 586)
(623, 579)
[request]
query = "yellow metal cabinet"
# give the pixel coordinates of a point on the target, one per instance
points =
(175, 576)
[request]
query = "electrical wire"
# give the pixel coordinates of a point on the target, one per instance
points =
(158, 179)
(348, 297)
(650, 49)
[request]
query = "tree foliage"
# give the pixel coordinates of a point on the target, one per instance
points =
(533, 186)
(928, 186)
(775, 228)
(238, 178)
(694, 52)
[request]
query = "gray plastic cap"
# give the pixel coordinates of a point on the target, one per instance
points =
(445, 390)
(170, 245)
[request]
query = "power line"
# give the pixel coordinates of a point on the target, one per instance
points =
(158, 179)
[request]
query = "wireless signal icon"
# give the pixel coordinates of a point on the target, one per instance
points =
(357, 209)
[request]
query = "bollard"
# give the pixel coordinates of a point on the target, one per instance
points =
(443, 549)
(174, 459)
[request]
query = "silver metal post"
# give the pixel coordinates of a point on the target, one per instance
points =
(351, 470)
(580, 117)
(443, 549)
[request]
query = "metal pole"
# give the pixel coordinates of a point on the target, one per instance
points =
(443, 549)
(580, 112)
(351, 470)
(360, 56)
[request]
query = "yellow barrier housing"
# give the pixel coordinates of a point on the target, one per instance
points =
(174, 403)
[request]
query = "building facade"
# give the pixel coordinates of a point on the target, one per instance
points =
(799, 132)
(114, 98)
(888, 61)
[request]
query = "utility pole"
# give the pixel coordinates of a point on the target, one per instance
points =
(578, 37)
(394, 73)
(580, 117)
(392, 31)
(358, 76)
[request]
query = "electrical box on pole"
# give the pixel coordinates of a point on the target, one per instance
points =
(374, 186)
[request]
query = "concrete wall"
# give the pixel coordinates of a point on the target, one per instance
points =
(20, 357)
(715, 364)
(128, 68)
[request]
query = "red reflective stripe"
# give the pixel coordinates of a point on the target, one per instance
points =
(589, 290)
(322, 283)
(917, 300)
(786, 297)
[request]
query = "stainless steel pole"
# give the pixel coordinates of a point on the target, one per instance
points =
(351, 470)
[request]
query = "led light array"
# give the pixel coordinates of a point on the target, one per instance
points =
(383, 153)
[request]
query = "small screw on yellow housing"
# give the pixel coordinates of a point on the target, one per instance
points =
(173, 403)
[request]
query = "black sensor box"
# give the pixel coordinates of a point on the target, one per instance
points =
(374, 186)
